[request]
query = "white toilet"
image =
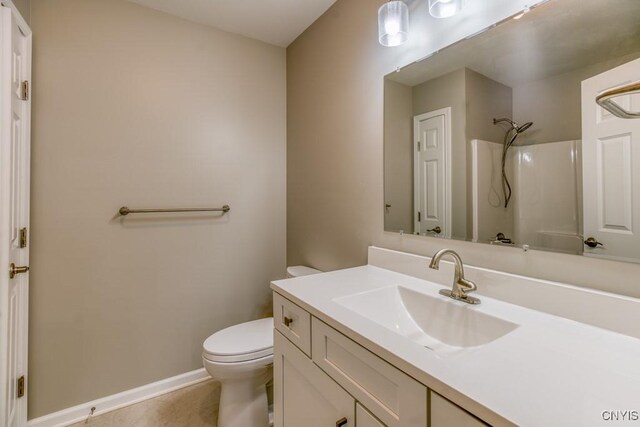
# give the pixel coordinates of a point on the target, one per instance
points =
(241, 358)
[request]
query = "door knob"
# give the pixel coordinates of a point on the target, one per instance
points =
(435, 230)
(341, 422)
(592, 242)
(13, 270)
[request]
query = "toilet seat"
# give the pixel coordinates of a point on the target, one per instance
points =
(240, 343)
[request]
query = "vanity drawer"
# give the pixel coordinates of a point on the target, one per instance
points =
(293, 322)
(392, 396)
(446, 414)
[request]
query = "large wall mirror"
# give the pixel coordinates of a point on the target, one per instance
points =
(499, 139)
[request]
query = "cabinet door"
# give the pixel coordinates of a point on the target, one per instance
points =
(303, 394)
(365, 419)
(388, 393)
(446, 414)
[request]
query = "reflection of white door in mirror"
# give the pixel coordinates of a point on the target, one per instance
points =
(432, 173)
(611, 161)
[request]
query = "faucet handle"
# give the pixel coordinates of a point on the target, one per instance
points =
(467, 286)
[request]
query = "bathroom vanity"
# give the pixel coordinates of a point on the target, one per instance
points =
(378, 346)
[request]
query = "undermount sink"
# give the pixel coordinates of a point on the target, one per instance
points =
(435, 322)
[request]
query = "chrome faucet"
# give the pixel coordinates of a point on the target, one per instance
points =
(461, 286)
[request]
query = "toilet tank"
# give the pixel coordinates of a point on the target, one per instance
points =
(300, 270)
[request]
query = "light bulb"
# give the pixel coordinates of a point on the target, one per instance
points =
(393, 23)
(392, 26)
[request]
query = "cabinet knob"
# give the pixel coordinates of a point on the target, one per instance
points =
(342, 422)
(287, 321)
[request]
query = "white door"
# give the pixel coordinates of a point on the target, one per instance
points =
(611, 168)
(15, 107)
(432, 173)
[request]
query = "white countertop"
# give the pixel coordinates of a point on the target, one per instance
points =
(550, 371)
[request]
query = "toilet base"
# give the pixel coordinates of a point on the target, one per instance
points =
(243, 403)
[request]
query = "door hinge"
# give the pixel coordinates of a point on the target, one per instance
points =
(418, 145)
(23, 237)
(419, 216)
(20, 388)
(24, 90)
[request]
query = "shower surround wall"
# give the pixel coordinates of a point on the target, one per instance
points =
(546, 205)
(489, 216)
(547, 193)
(135, 107)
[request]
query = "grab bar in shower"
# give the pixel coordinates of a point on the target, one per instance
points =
(126, 211)
(605, 100)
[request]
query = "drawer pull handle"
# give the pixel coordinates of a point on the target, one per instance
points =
(287, 321)
(341, 422)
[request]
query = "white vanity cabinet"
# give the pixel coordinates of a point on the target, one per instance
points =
(391, 395)
(445, 413)
(364, 418)
(293, 322)
(343, 384)
(303, 394)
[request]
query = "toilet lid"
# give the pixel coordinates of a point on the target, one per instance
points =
(246, 341)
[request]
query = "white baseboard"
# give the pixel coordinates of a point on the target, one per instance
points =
(119, 400)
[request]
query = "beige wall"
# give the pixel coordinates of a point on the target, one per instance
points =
(135, 107)
(398, 155)
(486, 99)
(442, 92)
(335, 117)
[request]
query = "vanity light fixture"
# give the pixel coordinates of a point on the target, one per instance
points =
(393, 23)
(445, 8)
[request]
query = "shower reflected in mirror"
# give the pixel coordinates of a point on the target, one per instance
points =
(509, 138)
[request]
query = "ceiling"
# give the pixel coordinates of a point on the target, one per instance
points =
(555, 38)
(277, 22)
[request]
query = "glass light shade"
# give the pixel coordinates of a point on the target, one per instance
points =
(393, 23)
(445, 8)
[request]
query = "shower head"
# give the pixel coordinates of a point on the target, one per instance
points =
(514, 125)
(524, 127)
(509, 138)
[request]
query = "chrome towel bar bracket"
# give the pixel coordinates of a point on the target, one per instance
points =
(126, 211)
(606, 101)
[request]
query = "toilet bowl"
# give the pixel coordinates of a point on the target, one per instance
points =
(240, 357)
